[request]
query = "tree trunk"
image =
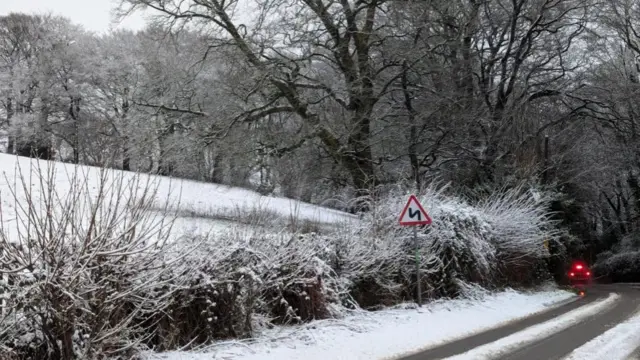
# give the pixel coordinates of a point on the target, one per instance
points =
(359, 160)
(217, 175)
(74, 114)
(413, 130)
(11, 138)
(126, 160)
(43, 144)
(162, 170)
(165, 167)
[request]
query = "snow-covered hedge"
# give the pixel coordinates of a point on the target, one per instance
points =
(618, 267)
(500, 240)
(622, 263)
(242, 280)
(97, 277)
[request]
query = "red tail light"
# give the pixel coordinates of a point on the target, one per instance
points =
(578, 267)
(572, 274)
(588, 273)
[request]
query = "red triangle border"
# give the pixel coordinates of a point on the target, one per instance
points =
(426, 221)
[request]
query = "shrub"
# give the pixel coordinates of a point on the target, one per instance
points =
(81, 264)
(498, 241)
(230, 278)
(618, 267)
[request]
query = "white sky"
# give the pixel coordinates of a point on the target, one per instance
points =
(94, 15)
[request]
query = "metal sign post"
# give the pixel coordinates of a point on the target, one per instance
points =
(415, 215)
(417, 246)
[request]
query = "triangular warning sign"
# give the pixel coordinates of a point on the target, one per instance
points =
(414, 213)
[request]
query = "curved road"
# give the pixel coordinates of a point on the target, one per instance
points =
(559, 344)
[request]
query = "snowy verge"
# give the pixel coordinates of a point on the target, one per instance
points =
(617, 343)
(512, 342)
(382, 334)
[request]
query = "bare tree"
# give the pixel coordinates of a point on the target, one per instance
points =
(287, 46)
(524, 57)
(20, 42)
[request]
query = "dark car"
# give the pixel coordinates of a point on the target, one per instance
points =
(579, 276)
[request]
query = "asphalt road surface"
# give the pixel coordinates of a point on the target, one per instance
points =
(559, 344)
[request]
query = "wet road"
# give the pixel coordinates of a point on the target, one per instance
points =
(557, 345)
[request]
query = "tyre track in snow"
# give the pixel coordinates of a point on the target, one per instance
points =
(473, 341)
(555, 346)
(564, 342)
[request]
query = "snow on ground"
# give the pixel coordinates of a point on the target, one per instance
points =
(514, 341)
(383, 334)
(219, 199)
(616, 343)
(201, 207)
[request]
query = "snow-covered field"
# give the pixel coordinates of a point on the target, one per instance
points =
(384, 334)
(199, 207)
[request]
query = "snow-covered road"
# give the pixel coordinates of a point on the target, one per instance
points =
(603, 325)
(506, 345)
(618, 343)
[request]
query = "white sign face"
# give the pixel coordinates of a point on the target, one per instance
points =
(414, 214)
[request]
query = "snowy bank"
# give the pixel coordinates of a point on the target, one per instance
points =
(383, 334)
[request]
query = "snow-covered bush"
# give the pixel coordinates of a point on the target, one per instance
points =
(232, 279)
(488, 243)
(520, 222)
(216, 298)
(619, 267)
(297, 282)
(622, 262)
(81, 264)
